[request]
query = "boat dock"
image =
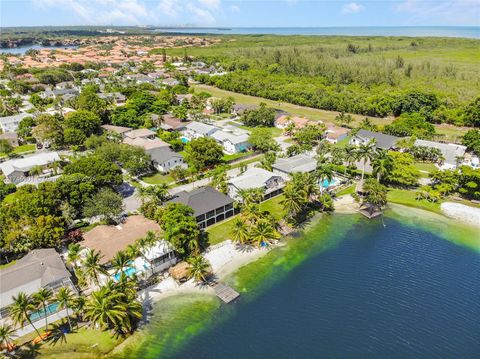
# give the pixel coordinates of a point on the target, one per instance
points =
(225, 293)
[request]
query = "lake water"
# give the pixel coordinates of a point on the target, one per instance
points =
(22, 49)
(349, 288)
(441, 31)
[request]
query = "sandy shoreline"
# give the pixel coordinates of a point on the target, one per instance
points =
(225, 258)
(461, 212)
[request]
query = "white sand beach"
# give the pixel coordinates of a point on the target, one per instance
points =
(461, 212)
(346, 204)
(225, 258)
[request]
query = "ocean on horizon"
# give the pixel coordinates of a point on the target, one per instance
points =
(414, 31)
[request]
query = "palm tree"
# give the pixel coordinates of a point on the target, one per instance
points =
(240, 231)
(264, 233)
(350, 156)
(42, 298)
(105, 309)
(7, 333)
(21, 308)
(382, 164)
(73, 254)
(252, 195)
(376, 195)
(92, 267)
(366, 152)
(65, 300)
(120, 261)
(324, 172)
(199, 268)
(293, 200)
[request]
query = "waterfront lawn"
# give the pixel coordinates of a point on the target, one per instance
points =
(84, 343)
(347, 190)
(408, 198)
(158, 178)
(221, 231)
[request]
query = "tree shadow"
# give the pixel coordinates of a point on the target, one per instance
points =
(59, 334)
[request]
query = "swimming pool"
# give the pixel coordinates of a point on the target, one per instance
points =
(184, 140)
(129, 271)
(39, 314)
(334, 182)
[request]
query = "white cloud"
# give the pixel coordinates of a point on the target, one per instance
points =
(211, 4)
(234, 8)
(170, 8)
(202, 15)
(352, 8)
(442, 12)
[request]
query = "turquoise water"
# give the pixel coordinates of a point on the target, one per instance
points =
(184, 139)
(39, 314)
(442, 31)
(348, 288)
(129, 271)
(326, 183)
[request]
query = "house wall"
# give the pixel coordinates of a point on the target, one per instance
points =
(170, 164)
(215, 216)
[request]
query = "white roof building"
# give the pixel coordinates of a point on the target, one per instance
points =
(16, 170)
(197, 129)
(256, 177)
(10, 123)
(452, 153)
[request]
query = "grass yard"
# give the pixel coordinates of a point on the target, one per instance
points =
(408, 198)
(273, 130)
(6, 265)
(221, 231)
(21, 149)
(309, 112)
(158, 178)
(236, 156)
(347, 190)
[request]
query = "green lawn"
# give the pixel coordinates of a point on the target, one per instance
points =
(85, 343)
(273, 130)
(158, 178)
(236, 156)
(426, 166)
(408, 198)
(6, 265)
(343, 143)
(221, 231)
(347, 190)
(309, 112)
(21, 149)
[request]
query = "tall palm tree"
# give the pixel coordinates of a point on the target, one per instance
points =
(350, 156)
(7, 333)
(92, 267)
(120, 261)
(240, 231)
(324, 172)
(365, 153)
(382, 164)
(43, 297)
(73, 254)
(264, 233)
(376, 195)
(21, 308)
(252, 195)
(198, 269)
(65, 300)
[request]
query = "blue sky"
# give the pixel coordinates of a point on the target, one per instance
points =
(241, 13)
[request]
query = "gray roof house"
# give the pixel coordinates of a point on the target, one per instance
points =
(450, 151)
(299, 163)
(40, 268)
(197, 129)
(209, 205)
(382, 140)
(256, 177)
(10, 123)
(164, 159)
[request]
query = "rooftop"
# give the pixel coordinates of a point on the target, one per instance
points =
(298, 163)
(27, 163)
(202, 200)
(111, 239)
(254, 177)
(140, 133)
(450, 151)
(381, 140)
(201, 128)
(146, 143)
(116, 129)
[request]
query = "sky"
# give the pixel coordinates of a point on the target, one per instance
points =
(241, 13)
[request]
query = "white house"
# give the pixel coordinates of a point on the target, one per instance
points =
(233, 142)
(10, 123)
(302, 163)
(164, 159)
(17, 170)
(197, 129)
(256, 177)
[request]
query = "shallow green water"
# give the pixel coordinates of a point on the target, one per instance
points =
(179, 320)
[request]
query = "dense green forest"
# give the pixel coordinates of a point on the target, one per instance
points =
(376, 76)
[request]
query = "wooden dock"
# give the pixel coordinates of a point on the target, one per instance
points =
(225, 293)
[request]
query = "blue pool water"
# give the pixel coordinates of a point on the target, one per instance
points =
(128, 271)
(184, 139)
(39, 314)
(326, 183)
